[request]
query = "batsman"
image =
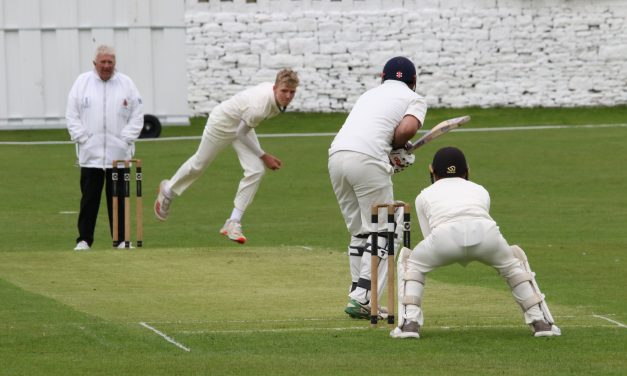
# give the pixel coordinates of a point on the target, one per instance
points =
(457, 228)
(364, 155)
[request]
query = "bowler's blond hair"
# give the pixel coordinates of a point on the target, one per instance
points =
(287, 77)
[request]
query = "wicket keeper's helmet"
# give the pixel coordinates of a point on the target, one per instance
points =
(400, 69)
(449, 162)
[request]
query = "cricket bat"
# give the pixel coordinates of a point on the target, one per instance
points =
(438, 130)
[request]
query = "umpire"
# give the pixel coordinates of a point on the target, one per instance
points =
(104, 118)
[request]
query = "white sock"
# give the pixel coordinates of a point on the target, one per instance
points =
(236, 215)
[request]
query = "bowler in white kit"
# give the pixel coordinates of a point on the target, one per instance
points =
(233, 122)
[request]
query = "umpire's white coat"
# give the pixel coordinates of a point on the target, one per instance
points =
(104, 118)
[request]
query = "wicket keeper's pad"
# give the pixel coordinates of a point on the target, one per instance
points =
(539, 296)
(401, 278)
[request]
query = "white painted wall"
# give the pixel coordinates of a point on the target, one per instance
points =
(486, 53)
(46, 44)
(187, 56)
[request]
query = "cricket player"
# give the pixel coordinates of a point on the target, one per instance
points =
(104, 117)
(233, 122)
(456, 225)
(383, 119)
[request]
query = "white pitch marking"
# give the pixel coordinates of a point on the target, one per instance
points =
(248, 322)
(245, 321)
(247, 331)
(68, 212)
(444, 327)
(329, 134)
(166, 337)
(537, 127)
(610, 320)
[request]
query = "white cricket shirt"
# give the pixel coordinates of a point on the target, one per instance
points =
(369, 128)
(450, 200)
(252, 105)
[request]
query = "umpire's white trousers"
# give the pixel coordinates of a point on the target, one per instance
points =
(463, 242)
(213, 141)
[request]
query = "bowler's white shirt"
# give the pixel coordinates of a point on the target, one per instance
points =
(451, 200)
(252, 106)
(369, 128)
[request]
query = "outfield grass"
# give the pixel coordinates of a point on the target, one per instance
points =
(274, 306)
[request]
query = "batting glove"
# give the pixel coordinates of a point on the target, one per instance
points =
(400, 159)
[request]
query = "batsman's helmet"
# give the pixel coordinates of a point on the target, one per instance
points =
(449, 162)
(400, 69)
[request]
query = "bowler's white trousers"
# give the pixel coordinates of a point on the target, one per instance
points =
(462, 242)
(213, 141)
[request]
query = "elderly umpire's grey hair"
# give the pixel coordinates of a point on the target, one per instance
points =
(104, 49)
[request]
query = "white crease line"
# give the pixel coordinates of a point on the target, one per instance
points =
(250, 331)
(610, 320)
(167, 338)
(300, 320)
(443, 327)
(246, 321)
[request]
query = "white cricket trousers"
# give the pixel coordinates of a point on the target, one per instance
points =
(211, 144)
(359, 181)
(463, 242)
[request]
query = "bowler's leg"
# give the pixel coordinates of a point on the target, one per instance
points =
(210, 146)
(254, 171)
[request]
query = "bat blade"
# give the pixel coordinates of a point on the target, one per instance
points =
(440, 129)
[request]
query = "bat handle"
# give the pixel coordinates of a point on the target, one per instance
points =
(417, 145)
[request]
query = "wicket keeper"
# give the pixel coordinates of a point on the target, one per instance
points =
(457, 228)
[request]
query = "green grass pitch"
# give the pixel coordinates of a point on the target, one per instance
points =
(192, 303)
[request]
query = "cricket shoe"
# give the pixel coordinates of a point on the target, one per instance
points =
(542, 328)
(360, 311)
(410, 329)
(82, 246)
(233, 231)
(162, 203)
(382, 312)
(122, 245)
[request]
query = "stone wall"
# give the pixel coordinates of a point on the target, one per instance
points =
(519, 53)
